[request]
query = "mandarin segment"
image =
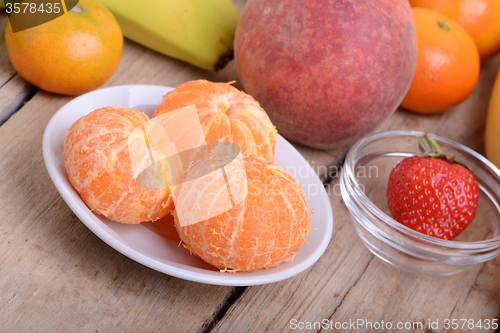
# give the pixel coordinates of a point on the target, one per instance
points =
(97, 161)
(265, 229)
(226, 114)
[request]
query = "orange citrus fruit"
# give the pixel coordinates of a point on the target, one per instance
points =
(72, 54)
(447, 64)
(97, 161)
(480, 18)
(262, 231)
(226, 114)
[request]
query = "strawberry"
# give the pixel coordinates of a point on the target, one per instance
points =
(433, 194)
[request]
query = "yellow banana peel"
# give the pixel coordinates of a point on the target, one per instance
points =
(200, 32)
(492, 133)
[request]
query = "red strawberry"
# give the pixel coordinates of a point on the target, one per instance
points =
(433, 195)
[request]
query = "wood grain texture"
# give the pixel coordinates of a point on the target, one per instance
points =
(55, 274)
(13, 95)
(6, 69)
(348, 282)
(309, 295)
(464, 123)
(14, 90)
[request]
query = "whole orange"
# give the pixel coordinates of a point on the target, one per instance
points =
(480, 18)
(447, 64)
(72, 54)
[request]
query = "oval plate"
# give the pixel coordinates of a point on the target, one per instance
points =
(147, 247)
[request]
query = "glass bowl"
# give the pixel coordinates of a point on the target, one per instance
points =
(363, 184)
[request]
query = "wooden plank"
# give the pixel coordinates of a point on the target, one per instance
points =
(6, 69)
(13, 95)
(348, 282)
(57, 275)
(309, 295)
(464, 123)
(469, 295)
(481, 299)
(395, 296)
(14, 90)
(173, 73)
(54, 273)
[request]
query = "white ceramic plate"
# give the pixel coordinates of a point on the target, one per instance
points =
(148, 248)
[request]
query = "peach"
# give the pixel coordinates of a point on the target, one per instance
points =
(326, 72)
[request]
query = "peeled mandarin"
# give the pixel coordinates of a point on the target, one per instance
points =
(263, 230)
(98, 164)
(226, 114)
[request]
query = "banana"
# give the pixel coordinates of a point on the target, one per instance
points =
(200, 32)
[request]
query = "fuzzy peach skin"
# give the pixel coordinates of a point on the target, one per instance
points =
(98, 165)
(326, 72)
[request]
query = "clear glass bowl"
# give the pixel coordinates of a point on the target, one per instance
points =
(363, 184)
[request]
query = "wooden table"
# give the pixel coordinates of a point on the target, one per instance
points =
(57, 276)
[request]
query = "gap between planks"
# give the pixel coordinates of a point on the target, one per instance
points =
(236, 292)
(220, 312)
(24, 95)
(347, 293)
(27, 92)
